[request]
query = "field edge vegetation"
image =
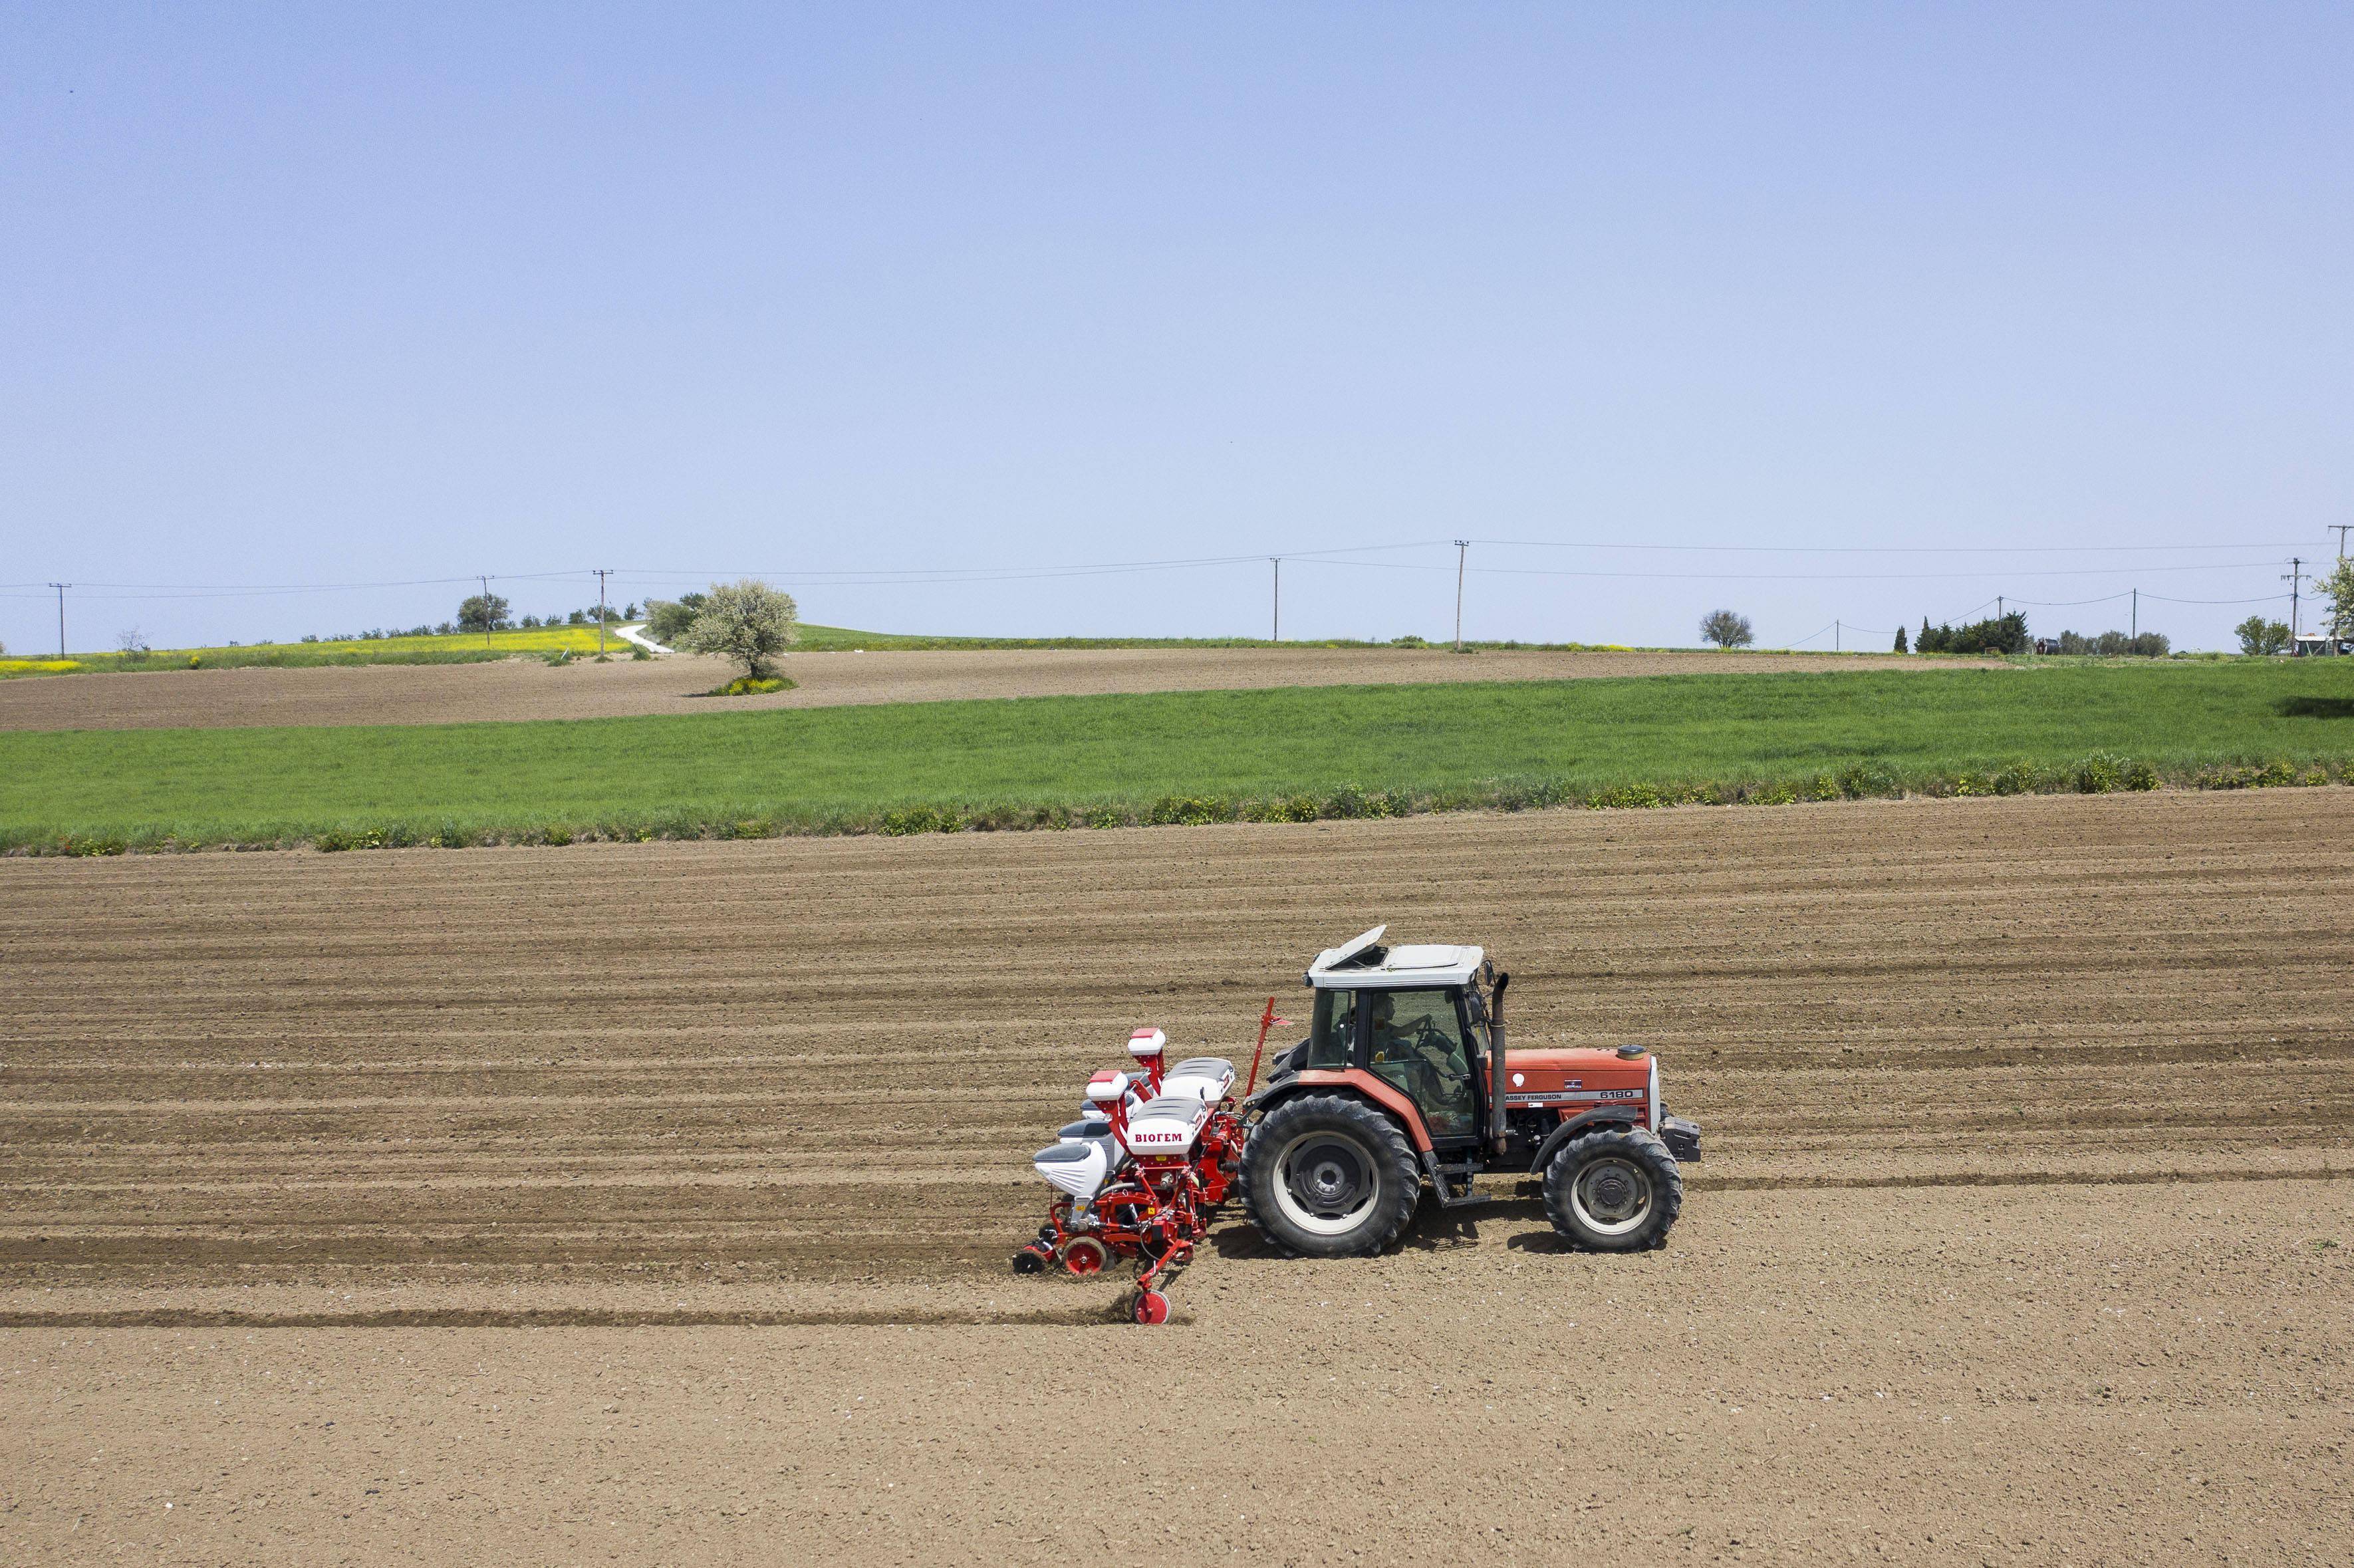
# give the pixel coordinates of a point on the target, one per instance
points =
(2097, 773)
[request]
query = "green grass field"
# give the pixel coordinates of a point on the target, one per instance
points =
(1285, 754)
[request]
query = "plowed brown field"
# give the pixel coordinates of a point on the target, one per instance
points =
(528, 689)
(651, 1203)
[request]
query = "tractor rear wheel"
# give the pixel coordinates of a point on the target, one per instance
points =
(1617, 1189)
(1328, 1176)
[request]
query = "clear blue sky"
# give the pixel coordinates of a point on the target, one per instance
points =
(351, 294)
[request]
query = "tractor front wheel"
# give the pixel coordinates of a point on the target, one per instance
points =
(1328, 1176)
(1617, 1189)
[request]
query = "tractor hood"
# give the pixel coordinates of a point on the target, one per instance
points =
(1576, 1079)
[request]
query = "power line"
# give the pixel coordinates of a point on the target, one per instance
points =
(1893, 549)
(878, 575)
(324, 587)
(1979, 574)
(1825, 576)
(1076, 569)
(1346, 555)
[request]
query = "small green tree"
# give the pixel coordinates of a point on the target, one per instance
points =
(667, 619)
(1900, 647)
(747, 621)
(2258, 635)
(482, 613)
(1726, 629)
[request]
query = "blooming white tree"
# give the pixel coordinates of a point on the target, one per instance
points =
(747, 621)
(2337, 587)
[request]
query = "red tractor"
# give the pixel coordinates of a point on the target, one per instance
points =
(1404, 1078)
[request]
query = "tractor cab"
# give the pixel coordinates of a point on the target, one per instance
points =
(1415, 1018)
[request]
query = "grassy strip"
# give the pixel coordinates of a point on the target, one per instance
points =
(1283, 755)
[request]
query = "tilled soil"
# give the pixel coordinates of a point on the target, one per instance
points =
(651, 1203)
(530, 689)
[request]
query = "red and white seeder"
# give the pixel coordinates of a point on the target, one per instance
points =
(1404, 1081)
(1138, 1174)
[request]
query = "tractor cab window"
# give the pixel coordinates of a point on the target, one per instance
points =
(1418, 1045)
(1329, 1040)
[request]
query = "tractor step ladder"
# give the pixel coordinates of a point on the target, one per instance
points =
(1444, 1180)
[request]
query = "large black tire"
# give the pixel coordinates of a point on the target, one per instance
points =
(1328, 1176)
(1617, 1189)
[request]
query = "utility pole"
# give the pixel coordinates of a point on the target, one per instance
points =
(602, 573)
(1835, 637)
(1460, 546)
(1276, 635)
(1998, 607)
(2341, 528)
(61, 616)
(2296, 581)
(2136, 613)
(487, 617)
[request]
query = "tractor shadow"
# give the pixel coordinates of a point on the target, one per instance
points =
(2316, 707)
(1432, 1229)
(1443, 1230)
(1241, 1239)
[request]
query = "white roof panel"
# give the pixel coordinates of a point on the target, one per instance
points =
(1345, 968)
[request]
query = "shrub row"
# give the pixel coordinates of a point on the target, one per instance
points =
(2099, 773)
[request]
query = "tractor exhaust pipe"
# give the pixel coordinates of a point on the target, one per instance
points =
(1496, 1129)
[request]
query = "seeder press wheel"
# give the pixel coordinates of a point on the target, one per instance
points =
(1151, 1307)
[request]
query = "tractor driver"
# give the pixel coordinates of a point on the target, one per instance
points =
(1425, 1057)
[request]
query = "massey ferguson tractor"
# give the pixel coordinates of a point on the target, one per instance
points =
(1404, 1081)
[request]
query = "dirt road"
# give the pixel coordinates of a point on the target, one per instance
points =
(651, 1203)
(528, 689)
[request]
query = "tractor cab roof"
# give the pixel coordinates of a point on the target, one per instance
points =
(1362, 963)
